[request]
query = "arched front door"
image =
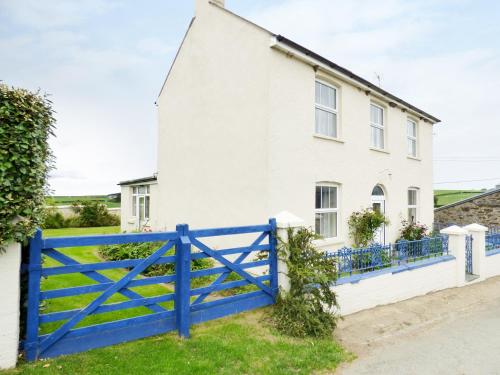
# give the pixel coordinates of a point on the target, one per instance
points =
(378, 204)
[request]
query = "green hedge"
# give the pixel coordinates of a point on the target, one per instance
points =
(26, 123)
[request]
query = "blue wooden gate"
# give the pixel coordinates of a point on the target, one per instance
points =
(468, 254)
(176, 308)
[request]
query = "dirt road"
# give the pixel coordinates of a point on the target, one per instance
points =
(456, 331)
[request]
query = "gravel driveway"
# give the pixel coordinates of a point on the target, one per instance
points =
(456, 331)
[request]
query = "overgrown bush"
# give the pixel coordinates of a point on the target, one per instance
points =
(363, 225)
(309, 307)
(412, 231)
(94, 214)
(53, 220)
(26, 123)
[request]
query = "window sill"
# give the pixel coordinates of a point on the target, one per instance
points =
(327, 242)
(413, 158)
(320, 136)
(380, 150)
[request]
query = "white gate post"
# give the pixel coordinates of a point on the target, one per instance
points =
(285, 220)
(10, 269)
(456, 247)
(478, 233)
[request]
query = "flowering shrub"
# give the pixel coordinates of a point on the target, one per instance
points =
(411, 231)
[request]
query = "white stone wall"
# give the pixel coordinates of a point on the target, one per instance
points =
(67, 211)
(10, 263)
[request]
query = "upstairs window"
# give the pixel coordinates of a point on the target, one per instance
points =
(326, 221)
(411, 132)
(377, 126)
(412, 205)
(326, 110)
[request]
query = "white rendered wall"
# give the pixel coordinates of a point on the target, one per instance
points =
(491, 266)
(10, 263)
(389, 288)
(236, 144)
(298, 159)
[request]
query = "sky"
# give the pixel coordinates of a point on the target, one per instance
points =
(103, 63)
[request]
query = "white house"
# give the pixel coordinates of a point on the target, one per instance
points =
(251, 124)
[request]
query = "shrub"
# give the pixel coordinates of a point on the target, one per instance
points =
(412, 231)
(145, 249)
(363, 226)
(27, 122)
(53, 220)
(307, 309)
(94, 214)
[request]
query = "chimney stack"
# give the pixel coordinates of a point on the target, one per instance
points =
(200, 6)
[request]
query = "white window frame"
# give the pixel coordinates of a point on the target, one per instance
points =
(136, 201)
(412, 206)
(378, 126)
(331, 110)
(412, 138)
(328, 210)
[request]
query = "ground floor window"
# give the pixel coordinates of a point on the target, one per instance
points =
(326, 213)
(412, 205)
(141, 201)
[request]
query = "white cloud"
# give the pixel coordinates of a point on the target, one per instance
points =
(53, 13)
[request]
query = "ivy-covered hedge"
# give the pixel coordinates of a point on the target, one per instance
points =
(26, 123)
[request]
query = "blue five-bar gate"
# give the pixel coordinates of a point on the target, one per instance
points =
(189, 304)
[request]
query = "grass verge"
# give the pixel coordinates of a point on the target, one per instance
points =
(240, 344)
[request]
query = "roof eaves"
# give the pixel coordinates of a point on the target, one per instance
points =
(138, 181)
(355, 77)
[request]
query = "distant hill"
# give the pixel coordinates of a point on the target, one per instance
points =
(444, 197)
(66, 200)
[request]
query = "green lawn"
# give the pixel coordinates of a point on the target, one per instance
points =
(63, 200)
(89, 254)
(445, 197)
(239, 344)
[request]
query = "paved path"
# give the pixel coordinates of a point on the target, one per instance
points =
(456, 331)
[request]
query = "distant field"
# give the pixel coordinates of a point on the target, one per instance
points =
(445, 197)
(61, 200)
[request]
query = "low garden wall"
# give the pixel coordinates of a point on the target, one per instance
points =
(412, 278)
(10, 264)
(395, 284)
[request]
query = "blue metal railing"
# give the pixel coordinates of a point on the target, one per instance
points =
(494, 230)
(492, 242)
(468, 254)
(375, 257)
